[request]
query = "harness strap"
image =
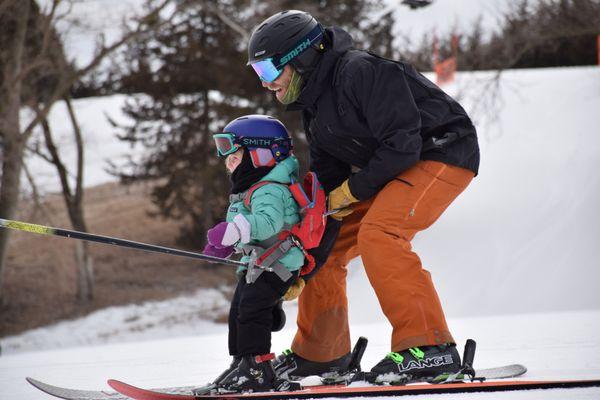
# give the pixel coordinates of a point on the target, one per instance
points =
(278, 268)
(268, 260)
(281, 271)
(275, 252)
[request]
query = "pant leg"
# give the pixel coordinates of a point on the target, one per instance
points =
(405, 206)
(255, 312)
(232, 319)
(323, 332)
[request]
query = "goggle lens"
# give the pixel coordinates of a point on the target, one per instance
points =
(266, 70)
(224, 144)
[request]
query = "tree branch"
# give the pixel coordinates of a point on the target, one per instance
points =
(39, 153)
(35, 195)
(47, 31)
(80, 155)
(66, 82)
(60, 167)
(228, 21)
(38, 62)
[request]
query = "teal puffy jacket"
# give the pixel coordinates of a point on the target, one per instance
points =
(272, 208)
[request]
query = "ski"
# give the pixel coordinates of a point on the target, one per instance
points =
(78, 394)
(362, 391)
(327, 390)
(337, 384)
(75, 394)
(504, 372)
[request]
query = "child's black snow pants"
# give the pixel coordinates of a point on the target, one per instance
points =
(251, 313)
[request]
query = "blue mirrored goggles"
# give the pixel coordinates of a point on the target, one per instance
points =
(266, 70)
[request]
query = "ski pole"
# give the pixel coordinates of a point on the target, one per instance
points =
(47, 230)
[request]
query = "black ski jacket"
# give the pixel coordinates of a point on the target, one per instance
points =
(380, 117)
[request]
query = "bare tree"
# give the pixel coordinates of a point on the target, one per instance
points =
(26, 52)
(73, 197)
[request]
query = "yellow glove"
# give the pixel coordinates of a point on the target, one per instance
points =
(340, 198)
(294, 291)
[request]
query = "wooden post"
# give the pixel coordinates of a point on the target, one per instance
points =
(445, 69)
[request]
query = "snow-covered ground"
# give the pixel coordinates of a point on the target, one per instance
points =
(182, 316)
(556, 345)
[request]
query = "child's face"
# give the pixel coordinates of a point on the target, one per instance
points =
(233, 160)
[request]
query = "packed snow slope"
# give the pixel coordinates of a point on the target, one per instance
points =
(553, 346)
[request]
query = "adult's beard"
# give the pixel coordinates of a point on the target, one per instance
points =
(294, 88)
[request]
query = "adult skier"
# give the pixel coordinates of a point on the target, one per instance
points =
(393, 151)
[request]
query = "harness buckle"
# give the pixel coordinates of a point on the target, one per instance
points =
(251, 273)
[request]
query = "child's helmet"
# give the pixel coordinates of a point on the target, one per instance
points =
(265, 137)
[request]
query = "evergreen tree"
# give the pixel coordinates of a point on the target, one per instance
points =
(545, 33)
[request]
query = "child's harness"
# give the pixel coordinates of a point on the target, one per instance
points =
(305, 235)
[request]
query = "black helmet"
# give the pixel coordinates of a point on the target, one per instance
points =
(289, 37)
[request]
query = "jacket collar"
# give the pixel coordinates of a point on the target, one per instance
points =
(341, 42)
(284, 172)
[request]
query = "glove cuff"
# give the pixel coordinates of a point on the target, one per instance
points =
(244, 228)
(348, 192)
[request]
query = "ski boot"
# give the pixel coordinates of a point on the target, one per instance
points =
(291, 366)
(207, 389)
(252, 374)
(416, 364)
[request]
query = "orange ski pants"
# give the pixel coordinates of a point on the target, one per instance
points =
(380, 231)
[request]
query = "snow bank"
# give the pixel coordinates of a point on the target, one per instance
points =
(181, 316)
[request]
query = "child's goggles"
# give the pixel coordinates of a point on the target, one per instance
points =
(228, 143)
(225, 143)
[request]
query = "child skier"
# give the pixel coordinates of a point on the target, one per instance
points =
(257, 149)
